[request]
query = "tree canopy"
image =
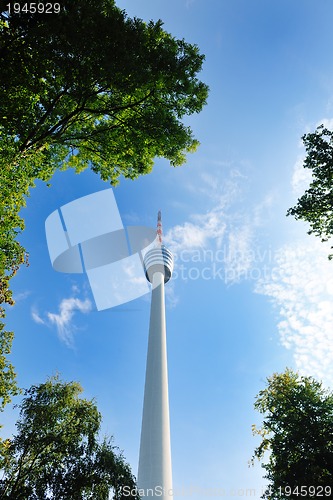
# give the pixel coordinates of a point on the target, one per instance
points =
(297, 431)
(90, 86)
(315, 206)
(87, 87)
(56, 452)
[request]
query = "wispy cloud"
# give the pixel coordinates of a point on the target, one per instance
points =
(227, 227)
(198, 232)
(239, 256)
(36, 317)
(21, 296)
(300, 285)
(63, 320)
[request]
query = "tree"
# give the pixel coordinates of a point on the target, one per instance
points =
(8, 385)
(315, 206)
(91, 87)
(56, 454)
(12, 256)
(86, 87)
(298, 432)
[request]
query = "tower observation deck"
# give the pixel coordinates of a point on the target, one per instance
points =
(155, 471)
(158, 259)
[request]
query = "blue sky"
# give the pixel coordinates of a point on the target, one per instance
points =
(252, 292)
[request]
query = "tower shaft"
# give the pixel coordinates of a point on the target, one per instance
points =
(155, 473)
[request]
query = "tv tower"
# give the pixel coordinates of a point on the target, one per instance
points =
(155, 472)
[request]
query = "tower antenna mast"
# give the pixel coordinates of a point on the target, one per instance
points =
(159, 231)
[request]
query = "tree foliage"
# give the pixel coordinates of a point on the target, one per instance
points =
(87, 87)
(13, 187)
(56, 453)
(315, 206)
(297, 431)
(92, 87)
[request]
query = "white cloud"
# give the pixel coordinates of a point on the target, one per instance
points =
(63, 320)
(223, 185)
(226, 227)
(196, 234)
(19, 297)
(301, 286)
(263, 209)
(213, 233)
(239, 257)
(232, 235)
(36, 317)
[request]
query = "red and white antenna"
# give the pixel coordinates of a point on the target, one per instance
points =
(159, 228)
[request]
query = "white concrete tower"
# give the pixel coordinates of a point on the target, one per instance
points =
(155, 473)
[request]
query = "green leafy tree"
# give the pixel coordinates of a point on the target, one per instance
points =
(297, 431)
(315, 206)
(56, 453)
(86, 87)
(91, 87)
(12, 256)
(13, 187)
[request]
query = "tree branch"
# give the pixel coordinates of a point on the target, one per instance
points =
(115, 109)
(47, 113)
